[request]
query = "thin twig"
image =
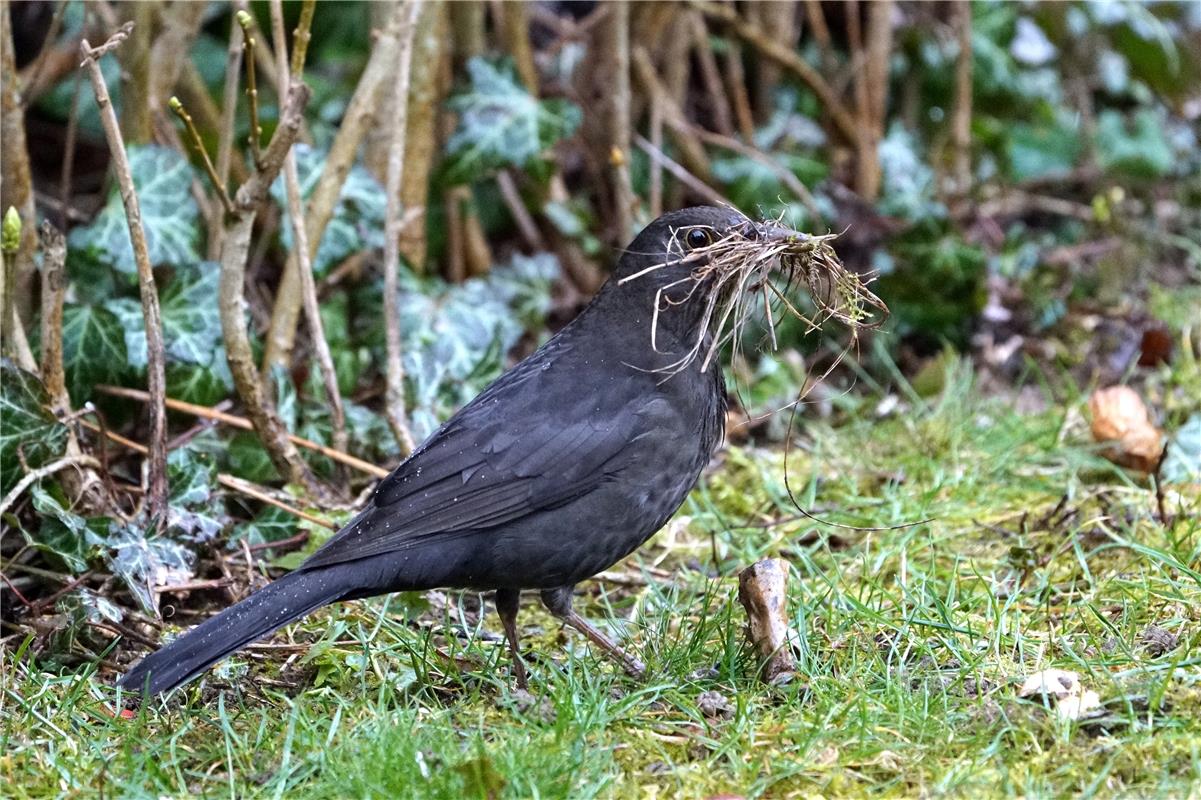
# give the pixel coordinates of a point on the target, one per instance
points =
(308, 286)
(357, 121)
(684, 176)
(241, 422)
(155, 359)
(54, 286)
(261, 494)
(67, 175)
(231, 296)
(521, 214)
(788, 59)
(225, 136)
(395, 397)
(198, 143)
(34, 475)
(252, 92)
(34, 73)
(786, 176)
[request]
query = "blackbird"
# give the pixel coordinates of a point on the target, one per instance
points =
(563, 466)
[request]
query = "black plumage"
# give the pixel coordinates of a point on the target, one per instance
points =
(566, 464)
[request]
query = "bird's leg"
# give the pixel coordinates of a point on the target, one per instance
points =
(507, 601)
(558, 602)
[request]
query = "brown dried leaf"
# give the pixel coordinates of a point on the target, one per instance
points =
(1121, 418)
(761, 590)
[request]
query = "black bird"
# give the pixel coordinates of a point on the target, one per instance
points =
(558, 470)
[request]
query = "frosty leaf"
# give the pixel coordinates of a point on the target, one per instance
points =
(358, 220)
(29, 430)
(63, 533)
(170, 217)
(146, 564)
(456, 337)
(94, 349)
(502, 124)
(191, 319)
(1182, 464)
(194, 509)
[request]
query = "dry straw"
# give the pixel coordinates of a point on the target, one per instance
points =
(756, 265)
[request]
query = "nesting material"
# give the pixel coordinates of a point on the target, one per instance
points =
(753, 268)
(762, 590)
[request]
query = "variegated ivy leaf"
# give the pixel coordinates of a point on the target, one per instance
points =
(94, 349)
(501, 124)
(196, 367)
(28, 430)
(170, 217)
(358, 220)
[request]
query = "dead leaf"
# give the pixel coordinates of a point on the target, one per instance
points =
(761, 590)
(1121, 418)
(1063, 687)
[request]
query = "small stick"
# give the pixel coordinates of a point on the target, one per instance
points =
(54, 285)
(218, 185)
(684, 176)
(301, 250)
(250, 490)
(395, 396)
(244, 424)
(225, 136)
(155, 358)
(252, 92)
(41, 472)
(521, 214)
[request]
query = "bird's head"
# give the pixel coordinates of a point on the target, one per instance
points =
(705, 271)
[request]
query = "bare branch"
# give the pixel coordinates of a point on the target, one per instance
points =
(54, 286)
(34, 475)
(788, 59)
(198, 144)
(204, 412)
(300, 239)
(357, 122)
(685, 177)
(252, 92)
(395, 400)
(155, 360)
(234, 251)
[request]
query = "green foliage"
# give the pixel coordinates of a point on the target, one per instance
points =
(936, 287)
(197, 370)
(456, 337)
(1042, 149)
(170, 217)
(196, 511)
(94, 349)
(358, 220)
(29, 432)
(502, 125)
(70, 540)
(1138, 148)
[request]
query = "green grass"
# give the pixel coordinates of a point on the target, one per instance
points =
(1038, 554)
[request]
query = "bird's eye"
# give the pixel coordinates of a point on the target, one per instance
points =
(698, 238)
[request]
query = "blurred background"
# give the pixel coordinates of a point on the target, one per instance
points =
(1022, 178)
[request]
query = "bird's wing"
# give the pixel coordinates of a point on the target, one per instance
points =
(508, 454)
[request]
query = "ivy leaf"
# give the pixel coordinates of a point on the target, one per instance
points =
(170, 217)
(501, 124)
(358, 220)
(144, 564)
(194, 508)
(94, 349)
(65, 535)
(29, 429)
(270, 525)
(456, 336)
(1139, 149)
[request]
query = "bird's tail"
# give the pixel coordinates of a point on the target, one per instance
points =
(283, 601)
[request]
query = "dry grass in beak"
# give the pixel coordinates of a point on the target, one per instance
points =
(745, 268)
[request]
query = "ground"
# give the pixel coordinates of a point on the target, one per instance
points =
(912, 641)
